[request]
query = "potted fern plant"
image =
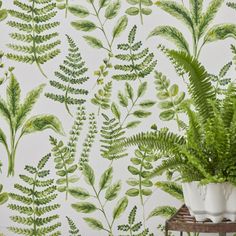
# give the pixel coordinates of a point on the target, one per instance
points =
(204, 155)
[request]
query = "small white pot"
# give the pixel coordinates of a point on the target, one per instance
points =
(211, 201)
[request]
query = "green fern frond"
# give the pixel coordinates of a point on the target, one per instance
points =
(231, 4)
(172, 188)
(102, 97)
(196, 10)
(30, 202)
(163, 211)
(74, 231)
(111, 134)
(32, 20)
(140, 64)
(87, 145)
(200, 84)
(71, 74)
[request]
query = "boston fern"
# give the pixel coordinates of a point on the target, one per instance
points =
(197, 22)
(201, 154)
(16, 115)
(70, 76)
(64, 155)
(133, 228)
(106, 192)
(139, 64)
(34, 203)
(32, 22)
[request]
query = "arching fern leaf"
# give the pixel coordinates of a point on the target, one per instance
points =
(138, 64)
(34, 203)
(74, 231)
(32, 22)
(70, 76)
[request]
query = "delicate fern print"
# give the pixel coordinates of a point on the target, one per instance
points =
(5, 74)
(132, 227)
(34, 204)
(3, 196)
(102, 99)
(111, 133)
(74, 231)
(70, 76)
(231, 4)
(104, 194)
(141, 185)
(64, 155)
(139, 64)
(104, 12)
(32, 21)
(139, 7)
(89, 140)
(170, 99)
(233, 49)
(16, 114)
(198, 23)
(3, 13)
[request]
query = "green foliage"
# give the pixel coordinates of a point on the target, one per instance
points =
(105, 193)
(231, 4)
(32, 21)
(132, 227)
(70, 76)
(64, 155)
(139, 7)
(34, 203)
(111, 133)
(5, 74)
(16, 114)
(163, 211)
(74, 231)
(139, 64)
(64, 5)
(3, 13)
(198, 23)
(233, 49)
(133, 106)
(102, 97)
(89, 140)
(103, 12)
(220, 81)
(170, 99)
(3, 196)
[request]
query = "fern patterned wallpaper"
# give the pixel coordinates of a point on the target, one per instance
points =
(78, 77)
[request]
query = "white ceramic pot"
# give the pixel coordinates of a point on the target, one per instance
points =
(211, 201)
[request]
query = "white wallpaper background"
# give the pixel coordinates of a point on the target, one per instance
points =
(35, 146)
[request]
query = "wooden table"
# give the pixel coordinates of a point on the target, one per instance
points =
(182, 221)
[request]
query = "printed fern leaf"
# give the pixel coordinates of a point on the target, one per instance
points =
(34, 203)
(32, 20)
(64, 155)
(70, 76)
(139, 64)
(74, 231)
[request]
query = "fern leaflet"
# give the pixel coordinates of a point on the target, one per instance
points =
(139, 64)
(35, 202)
(74, 231)
(71, 74)
(32, 21)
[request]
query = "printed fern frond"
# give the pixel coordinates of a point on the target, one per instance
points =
(74, 231)
(89, 140)
(33, 19)
(139, 64)
(231, 4)
(111, 134)
(64, 155)
(102, 97)
(3, 196)
(70, 76)
(163, 211)
(34, 204)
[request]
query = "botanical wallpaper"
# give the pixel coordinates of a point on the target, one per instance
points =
(80, 76)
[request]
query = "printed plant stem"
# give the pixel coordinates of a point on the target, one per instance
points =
(140, 11)
(140, 190)
(33, 37)
(33, 198)
(66, 12)
(103, 212)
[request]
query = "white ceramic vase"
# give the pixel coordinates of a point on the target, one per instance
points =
(211, 201)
